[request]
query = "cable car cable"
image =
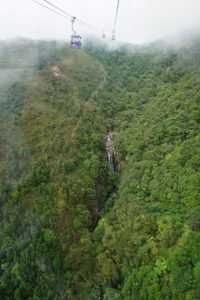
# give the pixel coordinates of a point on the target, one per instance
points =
(116, 15)
(88, 25)
(77, 20)
(66, 15)
(62, 11)
(50, 9)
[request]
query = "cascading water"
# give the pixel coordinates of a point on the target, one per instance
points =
(110, 161)
(113, 158)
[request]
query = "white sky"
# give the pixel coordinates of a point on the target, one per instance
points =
(138, 21)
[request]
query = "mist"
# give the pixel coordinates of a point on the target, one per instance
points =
(138, 21)
(18, 61)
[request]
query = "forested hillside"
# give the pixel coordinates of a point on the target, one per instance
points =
(70, 227)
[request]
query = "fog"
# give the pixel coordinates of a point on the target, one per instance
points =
(18, 61)
(139, 21)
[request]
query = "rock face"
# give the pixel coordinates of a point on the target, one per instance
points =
(113, 157)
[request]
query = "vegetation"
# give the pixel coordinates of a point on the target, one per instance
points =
(72, 229)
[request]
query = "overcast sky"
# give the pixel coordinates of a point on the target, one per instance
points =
(139, 20)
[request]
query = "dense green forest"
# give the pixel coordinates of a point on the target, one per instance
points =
(70, 226)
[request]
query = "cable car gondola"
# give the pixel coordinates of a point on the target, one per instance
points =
(75, 39)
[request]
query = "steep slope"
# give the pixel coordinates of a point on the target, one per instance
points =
(149, 242)
(70, 227)
(55, 176)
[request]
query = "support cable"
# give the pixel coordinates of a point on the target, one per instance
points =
(116, 15)
(50, 9)
(67, 14)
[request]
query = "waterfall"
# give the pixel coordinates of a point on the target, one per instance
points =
(113, 157)
(110, 161)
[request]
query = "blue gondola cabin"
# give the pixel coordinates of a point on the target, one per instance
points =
(75, 41)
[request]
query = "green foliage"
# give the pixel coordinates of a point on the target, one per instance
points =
(37, 176)
(193, 219)
(70, 227)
